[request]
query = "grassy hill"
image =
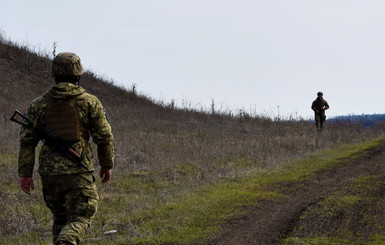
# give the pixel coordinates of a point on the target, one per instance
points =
(165, 159)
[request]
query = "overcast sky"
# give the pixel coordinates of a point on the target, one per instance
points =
(263, 57)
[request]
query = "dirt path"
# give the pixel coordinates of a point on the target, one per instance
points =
(271, 221)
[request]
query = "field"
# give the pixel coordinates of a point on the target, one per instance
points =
(181, 175)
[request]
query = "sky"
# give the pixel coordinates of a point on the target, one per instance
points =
(265, 57)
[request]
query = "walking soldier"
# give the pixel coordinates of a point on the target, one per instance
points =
(73, 116)
(319, 106)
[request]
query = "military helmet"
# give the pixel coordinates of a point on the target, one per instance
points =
(320, 93)
(66, 64)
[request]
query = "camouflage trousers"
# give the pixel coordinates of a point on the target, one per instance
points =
(319, 120)
(72, 200)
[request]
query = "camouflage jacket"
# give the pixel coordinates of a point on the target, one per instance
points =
(93, 123)
(320, 104)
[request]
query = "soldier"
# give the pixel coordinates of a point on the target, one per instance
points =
(319, 106)
(73, 115)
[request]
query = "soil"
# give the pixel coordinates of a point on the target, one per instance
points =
(273, 220)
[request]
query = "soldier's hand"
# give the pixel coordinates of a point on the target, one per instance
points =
(105, 174)
(26, 184)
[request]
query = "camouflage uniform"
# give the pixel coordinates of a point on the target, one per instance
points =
(319, 105)
(69, 190)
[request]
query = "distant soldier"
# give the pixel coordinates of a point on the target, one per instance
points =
(319, 106)
(73, 115)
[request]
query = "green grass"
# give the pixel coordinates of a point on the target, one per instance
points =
(378, 238)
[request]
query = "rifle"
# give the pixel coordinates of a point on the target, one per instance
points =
(60, 144)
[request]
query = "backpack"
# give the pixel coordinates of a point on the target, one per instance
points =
(62, 118)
